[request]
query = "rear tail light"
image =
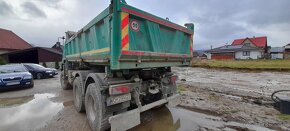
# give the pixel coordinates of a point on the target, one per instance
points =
(174, 79)
(119, 89)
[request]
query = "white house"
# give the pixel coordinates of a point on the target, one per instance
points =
(247, 48)
(238, 52)
(251, 54)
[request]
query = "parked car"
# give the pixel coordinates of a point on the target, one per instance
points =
(40, 72)
(12, 76)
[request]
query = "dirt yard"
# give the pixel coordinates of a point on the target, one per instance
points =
(234, 96)
(211, 100)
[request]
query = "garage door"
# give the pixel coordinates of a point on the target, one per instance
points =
(222, 57)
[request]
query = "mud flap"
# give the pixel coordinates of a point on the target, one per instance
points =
(174, 100)
(125, 121)
(130, 119)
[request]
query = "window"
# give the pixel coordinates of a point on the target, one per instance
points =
(246, 53)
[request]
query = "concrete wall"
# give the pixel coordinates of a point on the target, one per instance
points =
(208, 55)
(253, 55)
(50, 64)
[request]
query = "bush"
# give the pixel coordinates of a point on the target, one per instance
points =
(56, 65)
(2, 61)
(44, 64)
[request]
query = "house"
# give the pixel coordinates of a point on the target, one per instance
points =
(9, 41)
(247, 48)
(287, 51)
(231, 52)
(199, 54)
(277, 52)
(260, 42)
(58, 47)
(40, 55)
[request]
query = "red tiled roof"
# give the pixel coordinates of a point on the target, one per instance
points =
(258, 41)
(9, 40)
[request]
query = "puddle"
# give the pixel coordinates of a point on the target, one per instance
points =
(179, 119)
(27, 113)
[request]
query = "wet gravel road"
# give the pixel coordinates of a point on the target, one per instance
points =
(48, 107)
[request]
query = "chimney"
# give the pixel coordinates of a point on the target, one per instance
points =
(211, 47)
(254, 36)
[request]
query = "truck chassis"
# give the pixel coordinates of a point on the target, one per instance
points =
(115, 99)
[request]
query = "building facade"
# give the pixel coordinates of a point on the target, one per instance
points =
(277, 52)
(251, 54)
(287, 51)
(235, 52)
(39, 55)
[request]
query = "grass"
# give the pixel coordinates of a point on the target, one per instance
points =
(244, 64)
(284, 117)
(180, 88)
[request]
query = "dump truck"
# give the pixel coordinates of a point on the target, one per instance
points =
(119, 65)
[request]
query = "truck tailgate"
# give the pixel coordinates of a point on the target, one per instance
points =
(149, 41)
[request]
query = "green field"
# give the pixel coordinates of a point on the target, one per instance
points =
(244, 64)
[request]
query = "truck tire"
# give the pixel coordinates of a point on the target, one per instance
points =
(95, 108)
(63, 82)
(79, 99)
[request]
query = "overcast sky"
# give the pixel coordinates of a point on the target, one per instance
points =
(217, 22)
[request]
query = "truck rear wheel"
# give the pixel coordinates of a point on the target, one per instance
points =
(79, 100)
(95, 108)
(64, 83)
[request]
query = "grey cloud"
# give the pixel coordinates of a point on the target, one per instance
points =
(217, 22)
(51, 3)
(5, 9)
(33, 10)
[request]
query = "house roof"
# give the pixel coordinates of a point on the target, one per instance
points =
(233, 48)
(258, 41)
(287, 46)
(277, 49)
(9, 40)
(198, 52)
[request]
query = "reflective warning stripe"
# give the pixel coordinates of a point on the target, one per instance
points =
(191, 45)
(125, 31)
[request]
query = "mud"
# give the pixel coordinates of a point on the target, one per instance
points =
(252, 84)
(242, 97)
(211, 100)
(180, 119)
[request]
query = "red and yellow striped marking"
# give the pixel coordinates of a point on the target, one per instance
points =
(191, 45)
(125, 31)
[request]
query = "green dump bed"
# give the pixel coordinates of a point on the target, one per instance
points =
(124, 37)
